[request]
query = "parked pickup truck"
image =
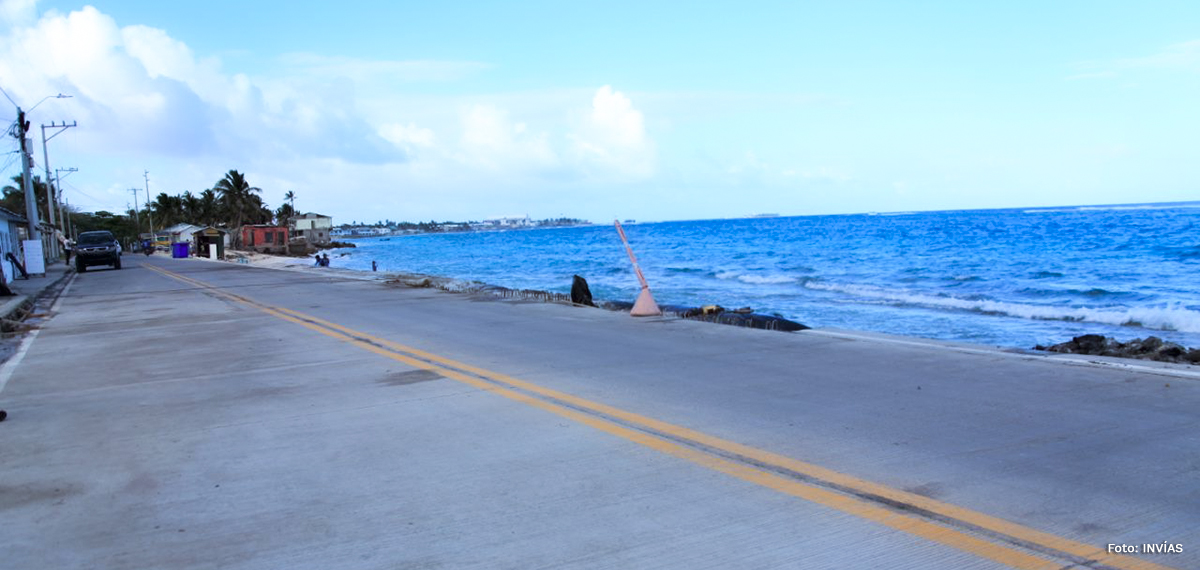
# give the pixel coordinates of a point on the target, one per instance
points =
(97, 248)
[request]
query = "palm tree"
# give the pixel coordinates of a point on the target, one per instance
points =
(284, 213)
(191, 207)
(168, 210)
(209, 209)
(14, 196)
(238, 200)
(291, 198)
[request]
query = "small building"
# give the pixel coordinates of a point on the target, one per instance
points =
(210, 242)
(315, 228)
(265, 239)
(180, 232)
(10, 241)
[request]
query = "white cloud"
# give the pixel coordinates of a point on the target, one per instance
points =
(1184, 56)
(17, 12)
(611, 139)
(409, 137)
(491, 140)
(146, 100)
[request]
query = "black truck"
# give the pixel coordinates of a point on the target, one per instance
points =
(97, 248)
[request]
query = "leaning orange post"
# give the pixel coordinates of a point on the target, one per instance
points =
(645, 305)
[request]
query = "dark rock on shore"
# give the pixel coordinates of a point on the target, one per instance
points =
(581, 294)
(1150, 348)
(743, 317)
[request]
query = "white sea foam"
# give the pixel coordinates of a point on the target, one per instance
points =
(752, 279)
(1166, 318)
(766, 279)
(1114, 208)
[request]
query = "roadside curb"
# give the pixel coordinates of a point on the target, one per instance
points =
(15, 304)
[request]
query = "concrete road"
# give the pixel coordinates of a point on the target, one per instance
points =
(192, 414)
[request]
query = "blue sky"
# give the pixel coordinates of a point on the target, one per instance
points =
(420, 110)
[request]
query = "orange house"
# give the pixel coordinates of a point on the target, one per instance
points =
(265, 239)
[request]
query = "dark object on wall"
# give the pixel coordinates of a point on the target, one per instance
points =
(580, 293)
(20, 266)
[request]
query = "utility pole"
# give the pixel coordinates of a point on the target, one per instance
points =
(136, 218)
(51, 200)
(64, 212)
(46, 160)
(30, 199)
(70, 233)
(146, 174)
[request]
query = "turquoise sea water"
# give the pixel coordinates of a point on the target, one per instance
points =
(1012, 278)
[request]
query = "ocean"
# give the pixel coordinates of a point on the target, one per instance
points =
(1009, 278)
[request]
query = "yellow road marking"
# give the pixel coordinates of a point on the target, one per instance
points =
(1007, 531)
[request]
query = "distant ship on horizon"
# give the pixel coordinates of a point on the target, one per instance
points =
(765, 216)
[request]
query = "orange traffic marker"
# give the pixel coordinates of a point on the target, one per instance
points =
(645, 305)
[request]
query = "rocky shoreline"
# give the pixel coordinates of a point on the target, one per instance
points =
(1150, 348)
(581, 296)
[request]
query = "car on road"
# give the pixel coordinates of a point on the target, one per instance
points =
(97, 248)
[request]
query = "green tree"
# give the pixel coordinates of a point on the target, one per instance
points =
(209, 210)
(284, 213)
(191, 208)
(240, 203)
(120, 226)
(12, 197)
(167, 210)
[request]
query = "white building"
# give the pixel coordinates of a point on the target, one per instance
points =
(361, 231)
(514, 222)
(180, 232)
(315, 228)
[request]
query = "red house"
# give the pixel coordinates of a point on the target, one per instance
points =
(265, 239)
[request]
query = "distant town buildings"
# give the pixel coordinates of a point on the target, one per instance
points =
(360, 231)
(491, 224)
(497, 223)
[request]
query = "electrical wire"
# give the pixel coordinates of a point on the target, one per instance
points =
(9, 98)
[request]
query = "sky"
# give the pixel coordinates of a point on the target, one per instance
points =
(599, 110)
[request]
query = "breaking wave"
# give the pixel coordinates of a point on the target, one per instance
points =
(757, 279)
(1165, 318)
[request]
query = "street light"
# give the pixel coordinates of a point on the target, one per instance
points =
(59, 96)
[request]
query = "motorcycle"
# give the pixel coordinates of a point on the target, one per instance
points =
(147, 249)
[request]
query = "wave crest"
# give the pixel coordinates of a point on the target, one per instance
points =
(1173, 317)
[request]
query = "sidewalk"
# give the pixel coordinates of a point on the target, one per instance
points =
(28, 289)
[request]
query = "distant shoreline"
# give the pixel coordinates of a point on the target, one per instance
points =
(1030, 209)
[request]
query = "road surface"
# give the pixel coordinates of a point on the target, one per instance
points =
(195, 414)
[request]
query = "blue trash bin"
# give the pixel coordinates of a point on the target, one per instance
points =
(179, 250)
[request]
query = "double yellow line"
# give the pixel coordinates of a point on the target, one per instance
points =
(989, 537)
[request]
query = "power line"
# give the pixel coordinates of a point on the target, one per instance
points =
(85, 194)
(9, 98)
